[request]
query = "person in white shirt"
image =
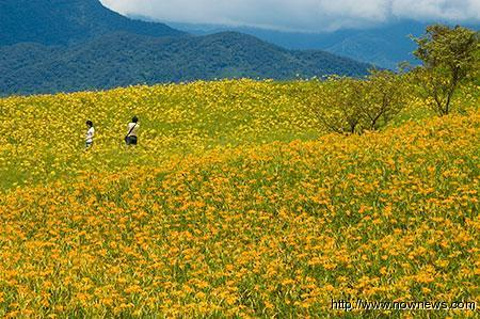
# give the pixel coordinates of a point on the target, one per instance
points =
(132, 133)
(90, 134)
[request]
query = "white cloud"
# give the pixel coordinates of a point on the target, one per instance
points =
(439, 9)
(311, 15)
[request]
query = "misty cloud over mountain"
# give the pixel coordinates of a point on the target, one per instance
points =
(300, 15)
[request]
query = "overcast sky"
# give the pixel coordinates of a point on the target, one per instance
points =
(307, 15)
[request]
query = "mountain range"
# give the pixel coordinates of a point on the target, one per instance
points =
(121, 59)
(48, 46)
(385, 45)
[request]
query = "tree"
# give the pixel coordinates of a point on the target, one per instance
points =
(450, 57)
(384, 97)
(347, 105)
(336, 104)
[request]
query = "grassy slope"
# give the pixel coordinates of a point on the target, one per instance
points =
(257, 229)
(47, 133)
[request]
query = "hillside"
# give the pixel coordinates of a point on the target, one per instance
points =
(122, 59)
(61, 22)
(234, 204)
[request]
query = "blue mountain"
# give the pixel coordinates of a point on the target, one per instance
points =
(61, 22)
(49, 46)
(384, 45)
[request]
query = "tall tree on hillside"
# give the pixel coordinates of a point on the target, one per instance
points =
(385, 97)
(450, 57)
(348, 105)
(336, 105)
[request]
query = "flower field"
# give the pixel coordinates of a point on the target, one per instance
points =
(235, 204)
